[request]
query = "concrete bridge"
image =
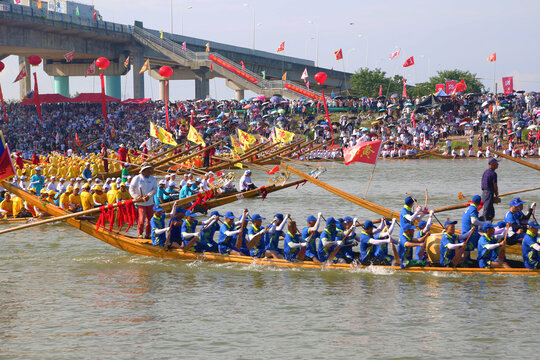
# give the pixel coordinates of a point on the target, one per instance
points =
(26, 31)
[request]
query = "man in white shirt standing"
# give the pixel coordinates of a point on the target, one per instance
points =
(144, 187)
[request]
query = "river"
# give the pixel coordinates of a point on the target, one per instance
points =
(66, 295)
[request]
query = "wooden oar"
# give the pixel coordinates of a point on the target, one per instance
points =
(461, 250)
(88, 145)
(412, 197)
(59, 218)
(517, 160)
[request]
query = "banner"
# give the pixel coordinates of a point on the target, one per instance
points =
(508, 84)
(236, 145)
(339, 54)
(440, 87)
(492, 57)
(21, 75)
(409, 62)
(91, 69)
(195, 137)
(450, 85)
(162, 135)
(6, 166)
(301, 91)
(246, 139)
(366, 152)
(281, 47)
(283, 136)
(395, 54)
(69, 56)
(233, 69)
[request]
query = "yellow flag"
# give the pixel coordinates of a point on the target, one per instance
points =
(236, 145)
(284, 77)
(161, 34)
(145, 66)
(195, 137)
(154, 132)
(246, 139)
(283, 136)
(236, 156)
(207, 47)
(162, 135)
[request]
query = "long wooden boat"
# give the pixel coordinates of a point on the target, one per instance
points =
(144, 247)
(517, 160)
(21, 220)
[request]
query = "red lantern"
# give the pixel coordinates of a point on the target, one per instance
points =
(320, 77)
(34, 60)
(2, 66)
(102, 63)
(165, 71)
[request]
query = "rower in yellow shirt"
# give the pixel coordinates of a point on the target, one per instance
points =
(87, 201)
(123, 193)
(6, 206)
(100, 198)
(111, 194)
(75, 200)
(64, 198)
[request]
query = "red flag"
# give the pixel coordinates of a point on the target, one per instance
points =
(21, 75)
(395, 54)
(95, 15)
(126, 63)
(413, 119)
(339, 54)
(404, 88)
(6, 165)
(91, 69)
(36, 98)
(460, 87)
(103, 103)
(366, 152)
(273, 170)
(69, 56)
(450, 85)
(77, 140)
(211, 66)
(492, 57)
(439, 87)
(243, 66)
(281, 47)
(409, 62)
(380, 90)
(3, 105)
(508, 85)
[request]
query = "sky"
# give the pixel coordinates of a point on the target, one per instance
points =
(440, 35)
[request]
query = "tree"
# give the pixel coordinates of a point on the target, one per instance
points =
(473, 84)
(366, 82)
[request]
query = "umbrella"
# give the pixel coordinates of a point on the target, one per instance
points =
(393, 96)
(275, 99)
(380, 117)
(382, 109)
(274, 111)
(208, 99)
(284, 101)
(485, 103)
(281, 111)
(532, 127)
(253, 122)
(243, 100)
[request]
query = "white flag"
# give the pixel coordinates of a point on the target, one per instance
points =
(304, 75)
(91, 69)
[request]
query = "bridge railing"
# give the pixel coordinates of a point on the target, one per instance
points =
(166, 43)
(55, 16)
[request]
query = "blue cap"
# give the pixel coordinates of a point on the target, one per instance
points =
(229, 215)
(347, 219)
(311, 218)
(501, 224)
(368, 224)
(409, 227)
(257, 217)
(534, 224)
(191, 213)
(330, 221)
(487, 226)
(516, 202)
(158, 208)
(450, 223)
(180, 209)
(476, 198)
(409, 200)
(493, 161)
(422, 224)
(214, 213)
(279, 216)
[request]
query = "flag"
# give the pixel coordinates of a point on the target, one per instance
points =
(21, 75)
(282, 136)
(184, 46)
(281, 47)
(492, 57)
(246, 139)
(263, 74)
(284, 77)
(366, 152)
(161, 134)
(339, 54)
(77, 140)
(211, 66)
(39, 4)
(3, 105)
(145, 66)
(460, 87)
(161, 34)
(243, 66)
(404, 88)
(36, 98)
(413, 119)
(69, 56)
(305, 75)
(195, 137)
(380, 90)
(273, 170)
(508, 84)
(126, 63)
(207, 47)
(450, 84)
(395, 54)
(6, 166)
(439, 87)
(91, 69)
(95, 15)
(307, 85)
(236, 145)
(409, 62)
(77, 11)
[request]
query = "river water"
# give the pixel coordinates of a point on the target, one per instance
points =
(66, 295)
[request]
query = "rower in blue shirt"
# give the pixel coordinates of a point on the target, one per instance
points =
(530, 247)
(517, 220)
(346, 251)
(368, 245)
(406, 243)
(423, 228)
(210, 227)
(407, 216)
(310, 234)
(490, 250)
(274, 234)
(229, 240)
(190, 237)
(450, 242)
(468, 220)
(37, 181)
(257, 237)
(293, 246)
(162, 196)
(176, 227)
(328, 241)
(381, 251)
(188, 189)
(157, 224)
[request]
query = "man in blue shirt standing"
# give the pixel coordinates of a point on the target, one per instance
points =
(490, 189)
(530, 247)
(37, 181)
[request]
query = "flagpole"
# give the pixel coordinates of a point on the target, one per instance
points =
(370, 179)
(495, 77)
(390, 82)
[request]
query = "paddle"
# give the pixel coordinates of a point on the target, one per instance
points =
(241, 232)
(334, 253)
(461, 250)
(59, 218)
(420, 206)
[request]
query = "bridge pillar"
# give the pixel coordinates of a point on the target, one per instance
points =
(138, 80)
(163, 86)
(240, 95)
(113, 86)
(25, 84)
(202, 83)
(61, 85)
(239, 90)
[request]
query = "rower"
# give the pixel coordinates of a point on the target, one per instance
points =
(190, 237)
(352, 239)
(328, 241)
(407, 216)
(99, 197)
(274, 234)
(112, 194)
(123, 193)
(450, 242)
(489, 254)
(257, 237)
(175, 225)
(157, 224)
(517, 220)
(381, 251)
(6, 206)
(37, 181)
(162, 196)
(64, 198)
(228, 236)
(188, 189)
(368, 243)
(210, 227)
(530, 247)
(75, 204)
(309, 235)
(468, 219)
(245, 182)
(87, 172)
(406, 243)
(293, 247)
